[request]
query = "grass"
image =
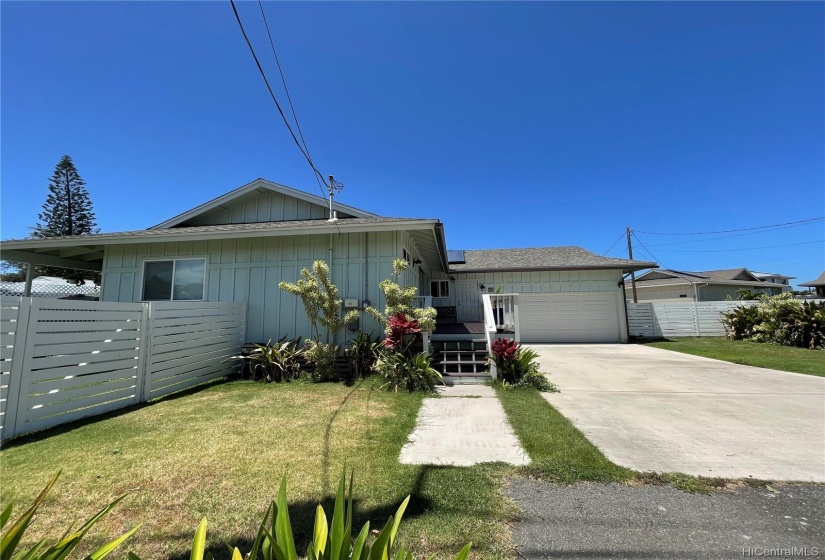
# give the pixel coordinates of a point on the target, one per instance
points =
(785, 358)
(222, 450)
(559, 451)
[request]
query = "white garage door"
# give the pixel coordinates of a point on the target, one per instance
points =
(569, 317)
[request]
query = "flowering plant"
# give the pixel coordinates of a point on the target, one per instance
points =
(400, 326)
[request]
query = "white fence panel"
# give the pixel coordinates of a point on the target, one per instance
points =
(64, 380)
(63, 360)
(14, 319)
(677, 319)
(189, 343)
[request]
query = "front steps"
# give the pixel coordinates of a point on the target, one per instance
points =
(461, 359)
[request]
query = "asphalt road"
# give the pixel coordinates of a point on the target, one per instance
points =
(599, 521)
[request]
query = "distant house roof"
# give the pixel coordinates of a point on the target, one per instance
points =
(772, 275)
(731, 276)
(815, 283)
(542, 258)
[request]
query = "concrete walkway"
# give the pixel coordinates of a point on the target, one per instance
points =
(465, 426)
(657, 410)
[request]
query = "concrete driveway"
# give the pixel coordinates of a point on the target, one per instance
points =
(656, 410)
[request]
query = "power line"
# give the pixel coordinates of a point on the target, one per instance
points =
(633, 233)
(289, 99)
(743, 248)
(614, 244)
(272, 95)
(777, 228)
(735, 230)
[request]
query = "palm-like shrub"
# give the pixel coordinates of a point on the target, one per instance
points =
(400, 300)
(779, 320)
(274, 362)
(740, 323)
(362, 352)
(322, 305)
(412, 372)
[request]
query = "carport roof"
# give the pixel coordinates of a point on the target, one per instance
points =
(814, 283)
(542, 258)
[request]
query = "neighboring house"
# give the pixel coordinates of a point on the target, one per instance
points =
(710, 285)
(51, 287)
(778, 279)
(818, 285)
(239, 246)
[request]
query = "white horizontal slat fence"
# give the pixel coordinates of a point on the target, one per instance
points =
(65, 360)
(189, 343)
(677, 319)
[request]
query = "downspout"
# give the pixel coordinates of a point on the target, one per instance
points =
(366, 300)
(626, 318)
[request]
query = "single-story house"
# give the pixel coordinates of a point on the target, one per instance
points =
(818, 285)
(710, 285)
(239, 246)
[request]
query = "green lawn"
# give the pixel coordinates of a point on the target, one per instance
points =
(757, 354)
(559, 451)
(221, 451)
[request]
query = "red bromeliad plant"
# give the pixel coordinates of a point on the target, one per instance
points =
(400, 326)
(505, 349)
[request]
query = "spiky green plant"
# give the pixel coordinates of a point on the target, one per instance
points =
(330, 541)
(62, 548)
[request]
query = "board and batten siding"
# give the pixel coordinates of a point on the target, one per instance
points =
(537, 282)
(249, 270)
(261, 207)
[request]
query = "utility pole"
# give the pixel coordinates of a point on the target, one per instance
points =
(632, 272)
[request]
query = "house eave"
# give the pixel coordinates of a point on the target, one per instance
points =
(550, 268)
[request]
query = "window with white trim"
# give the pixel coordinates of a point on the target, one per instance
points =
(440, 288)
(174, 280)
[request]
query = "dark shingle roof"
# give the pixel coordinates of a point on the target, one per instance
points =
(814, 283)
(542, 258)
(160, 233)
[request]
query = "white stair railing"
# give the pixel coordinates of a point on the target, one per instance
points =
(490, 330)
(420, 302)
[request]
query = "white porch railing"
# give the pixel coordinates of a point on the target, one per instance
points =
(421, 302)
(500, 316)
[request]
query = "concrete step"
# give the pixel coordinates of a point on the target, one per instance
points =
(466, 379)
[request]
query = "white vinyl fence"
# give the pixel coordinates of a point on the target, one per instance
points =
(677, 319)
(64, 360)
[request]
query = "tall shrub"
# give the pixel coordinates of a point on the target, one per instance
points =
(399, 299)
(322, 306)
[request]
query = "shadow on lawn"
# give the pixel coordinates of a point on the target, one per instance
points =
(302, 518)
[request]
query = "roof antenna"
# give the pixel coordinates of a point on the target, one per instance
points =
(334, 187)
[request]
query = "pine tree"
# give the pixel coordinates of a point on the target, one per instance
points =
(67, 211)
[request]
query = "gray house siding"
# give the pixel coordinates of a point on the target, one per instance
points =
(536, 282)
(262, 207)
(721, 292)
(250, 269)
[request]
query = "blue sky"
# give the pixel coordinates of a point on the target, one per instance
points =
(516, 124)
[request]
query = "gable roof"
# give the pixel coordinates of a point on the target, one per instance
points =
(732, 276)
(542, 258)
(814, 283)
(260, 185)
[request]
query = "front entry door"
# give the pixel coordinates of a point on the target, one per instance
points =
(468, 301)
